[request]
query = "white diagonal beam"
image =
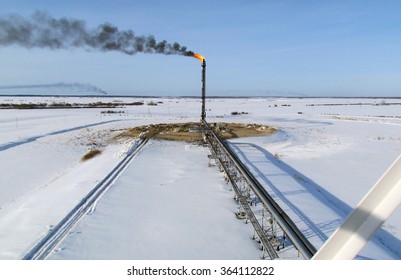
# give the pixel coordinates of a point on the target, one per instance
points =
(366, 218)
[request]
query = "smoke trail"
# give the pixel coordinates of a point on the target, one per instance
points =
(43, 31)
(69, 87)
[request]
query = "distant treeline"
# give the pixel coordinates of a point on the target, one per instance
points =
(356, 104)
(67, 105)
(197, 97)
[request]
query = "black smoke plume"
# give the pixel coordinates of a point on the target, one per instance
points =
(43, 31)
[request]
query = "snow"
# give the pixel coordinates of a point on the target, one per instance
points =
(160, 209)
(319, 165)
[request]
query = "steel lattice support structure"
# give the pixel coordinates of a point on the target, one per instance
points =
(242, 196)
(248, 191)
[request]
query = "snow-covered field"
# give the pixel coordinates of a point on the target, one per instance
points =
(169, 204)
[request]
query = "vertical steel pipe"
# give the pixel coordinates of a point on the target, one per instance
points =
(203, 89)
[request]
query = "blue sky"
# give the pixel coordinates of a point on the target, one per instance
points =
(271, 47)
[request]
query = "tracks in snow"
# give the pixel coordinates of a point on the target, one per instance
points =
(45, 246)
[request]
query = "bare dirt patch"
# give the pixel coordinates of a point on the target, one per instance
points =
(237, 130)
(91, 154)
(191, 132)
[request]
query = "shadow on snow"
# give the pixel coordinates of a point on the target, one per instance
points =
(382, 237)
(34, 138)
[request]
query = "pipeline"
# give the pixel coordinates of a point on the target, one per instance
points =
(45, 246)
(300, 242)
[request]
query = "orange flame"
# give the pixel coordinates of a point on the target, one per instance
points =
(198, 56)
